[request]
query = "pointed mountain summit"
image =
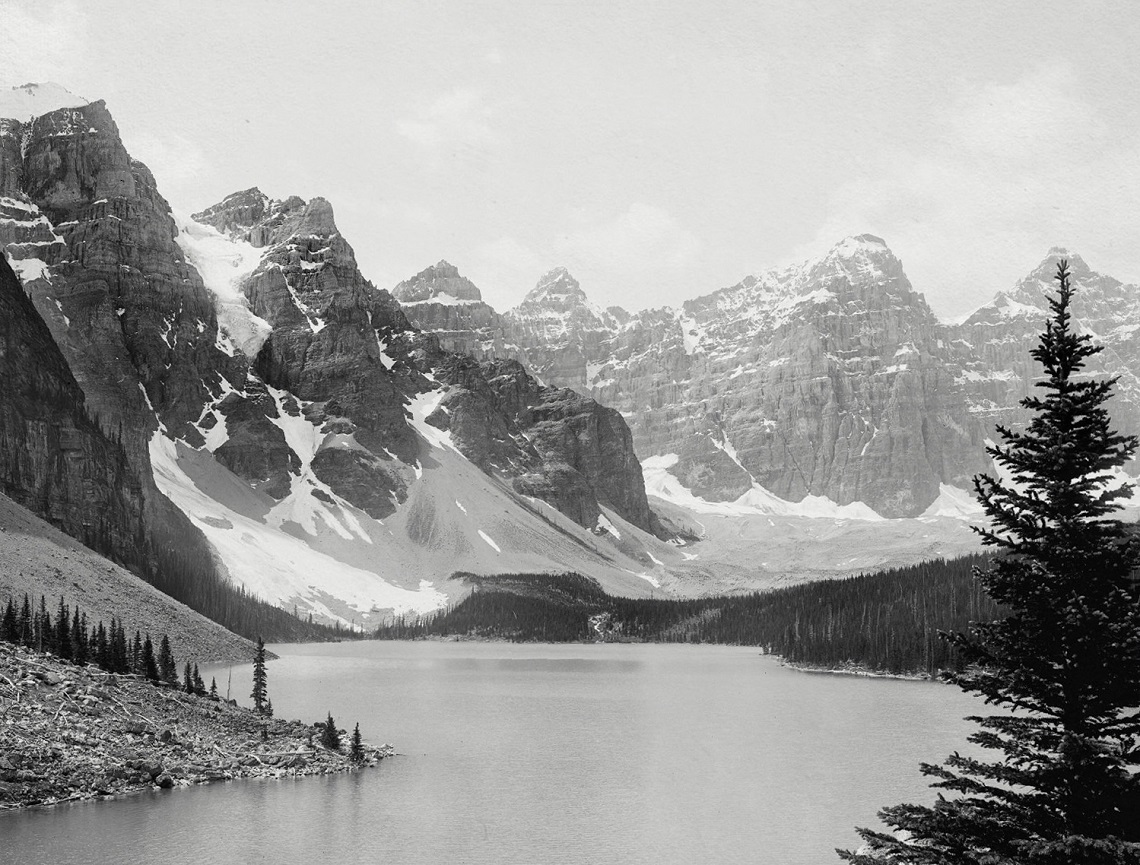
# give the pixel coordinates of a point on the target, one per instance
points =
(995, 340)
(556, 286)
(441, 283)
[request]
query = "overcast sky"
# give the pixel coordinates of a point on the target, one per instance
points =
(658, 150)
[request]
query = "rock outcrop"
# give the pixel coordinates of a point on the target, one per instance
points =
(54, 459)
(77, 734)
(559, 333)
(442, 302)
(343, 360)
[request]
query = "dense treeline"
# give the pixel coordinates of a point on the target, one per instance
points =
(885, 621)
(69, 636)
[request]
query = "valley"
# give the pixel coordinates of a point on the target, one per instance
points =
(337, 451)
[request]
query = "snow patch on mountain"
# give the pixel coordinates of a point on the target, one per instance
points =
(33, 100)
(269, 563)
(659, 482)
(224, 264)
(954, 502)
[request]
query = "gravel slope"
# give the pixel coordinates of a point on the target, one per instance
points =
(40, 560)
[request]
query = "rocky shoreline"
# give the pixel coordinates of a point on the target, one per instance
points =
(857, 670)
(71, 733)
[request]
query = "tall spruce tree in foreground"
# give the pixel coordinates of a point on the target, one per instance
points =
(259, 693)
(1065, 662)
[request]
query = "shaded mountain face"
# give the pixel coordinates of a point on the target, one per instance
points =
(285, 405)
(829, 379)
(54, 459)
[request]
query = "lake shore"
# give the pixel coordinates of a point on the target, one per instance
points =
(70, 733)
(855, 670)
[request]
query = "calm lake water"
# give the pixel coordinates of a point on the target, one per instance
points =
(543, 754)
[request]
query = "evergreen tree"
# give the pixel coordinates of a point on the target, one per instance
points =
(10, 628)
(136, 656)
(102, 647)
(213, 688)
(1066, 658)
(356, 746)
(149, 663)
(43, 641)
(330, 735)
(260, 678)
(199, 685)
(119, 660)
(27, 623)
(167, 666)
(187, 679)
(80, 648)
(62, 641)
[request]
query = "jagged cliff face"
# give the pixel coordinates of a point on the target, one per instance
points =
(829, 380)
(282, 402)
(342, 357)
(440, 301)
(993, 344)
(833, 380)
(54, 459)
(94, 244)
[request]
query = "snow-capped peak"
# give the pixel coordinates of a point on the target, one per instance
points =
(33, 100)
(861, 244)
(556, 284)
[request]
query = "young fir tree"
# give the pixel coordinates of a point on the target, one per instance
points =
(199, 685)
(27, 623)
(356, 746)
(260, 678)
(330, 735)
(10, 629)
(1066, 660)
(62, 639)
(149, 664)
(213, 688)
(167, 666)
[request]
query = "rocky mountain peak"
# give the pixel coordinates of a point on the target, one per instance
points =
(1027, 299)
(235, 212)
(441, 283)
(26, 101)
(858, 258)
(556, 286)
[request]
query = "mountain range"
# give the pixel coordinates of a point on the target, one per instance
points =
(829, 383)
(223, 399)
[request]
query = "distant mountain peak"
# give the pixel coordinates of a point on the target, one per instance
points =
(556, 285)
(33, 100)
(441, 282)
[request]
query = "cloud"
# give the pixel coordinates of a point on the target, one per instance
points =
(1026, 116)
(644, 237)
(461, 118)
(1016, 168)
(174, 160)
(43, 42)
(631, 250)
